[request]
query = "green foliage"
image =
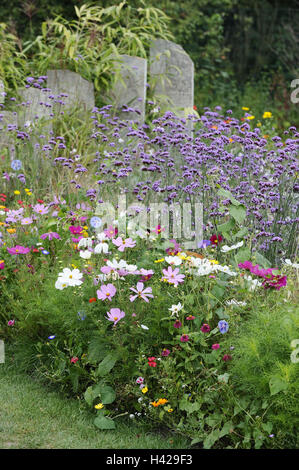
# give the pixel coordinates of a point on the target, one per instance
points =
(263, 369)
(91, 43)
(12, 60)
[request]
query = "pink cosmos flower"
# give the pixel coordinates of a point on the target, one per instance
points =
(11, 323)
(122, 244)
(40, 209)
(106, 292)
(50, 236)
(215, 346)
(27, 221)
(158, 229)
(18, 250)
(115, 315)
(111, 232)
(141, 293)
(173, 276)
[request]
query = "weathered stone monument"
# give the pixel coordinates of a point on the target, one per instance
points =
(173, 74)
(35, 105)
(129, 89)
(78, 90)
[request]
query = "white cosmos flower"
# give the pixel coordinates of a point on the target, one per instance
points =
(85, 254)
(102, 246)
(226, 248)
(224, 269)
(289, 263)
(253, 283)
(71, 277)
(144, 327)
(85, 243)
(131, 268)
(235, 302)
(173, 260)
(176, 308)
(114, 264)
(61, 285)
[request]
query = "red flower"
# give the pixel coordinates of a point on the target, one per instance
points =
(40, 201)
(226, 357)
(93, 299)
(74, 360)
(195, 107)
(216, 239)
(151, 361)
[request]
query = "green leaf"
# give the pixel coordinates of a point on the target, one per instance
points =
(89, 396)
(238, 213)
(261, 260)
(228, 195)
(107, 394)
(227, 227)
(242, 255)
(277, 384)
(106, 365)
(102, 422)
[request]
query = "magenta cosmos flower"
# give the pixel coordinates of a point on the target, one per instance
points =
(141, 293)
(106, 292)
(122, 244)
(18, 250)
(50, 236)
(173, 276)
(75, 229)
(115, 315)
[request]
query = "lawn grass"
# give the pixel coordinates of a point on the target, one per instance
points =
(33, 416)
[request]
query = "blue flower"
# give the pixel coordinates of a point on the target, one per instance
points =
(81, 316)
(223, 326)
(95, 222)
(52, 337)
(16, 165)
(204, 243)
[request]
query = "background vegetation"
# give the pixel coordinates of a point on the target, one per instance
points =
(245, 52)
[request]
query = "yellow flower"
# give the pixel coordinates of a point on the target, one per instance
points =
(245, 109)
(250, 117)
(170, 410)
(99, 406)
(213, 261)
(26, 189)
(29, 194)
(144, 390)
(267, 114)
(2, 207)
(11, 230)
(17, 192)
(159, 260)
(74, 266)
